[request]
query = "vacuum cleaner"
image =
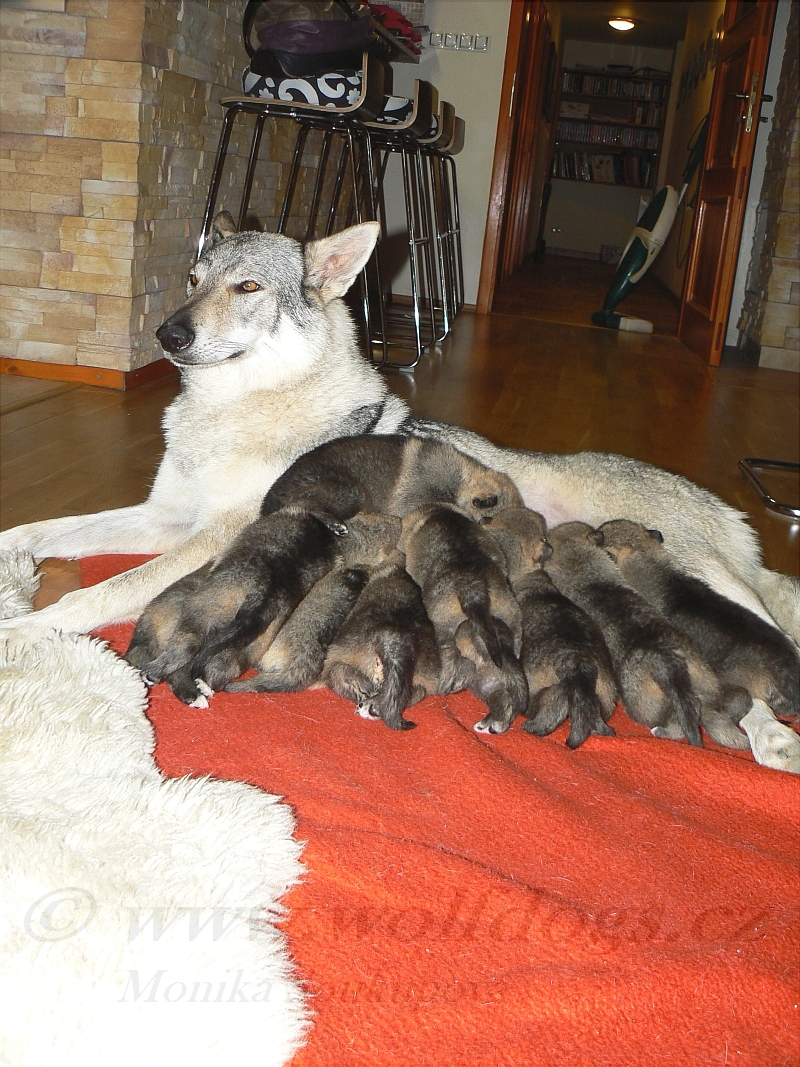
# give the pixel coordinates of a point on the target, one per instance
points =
(646, 241)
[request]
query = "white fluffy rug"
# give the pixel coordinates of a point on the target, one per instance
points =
(136, 912)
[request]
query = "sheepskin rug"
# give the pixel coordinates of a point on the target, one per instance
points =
(136, 912)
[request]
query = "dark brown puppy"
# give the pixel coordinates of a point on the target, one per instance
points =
(295, 658)
(460, 569)
(385, 657)
(746, 652)
(209, 623)
(661, 675)
(564, 655)
(389, 473)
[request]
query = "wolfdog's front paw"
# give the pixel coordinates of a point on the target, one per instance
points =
(774, 745)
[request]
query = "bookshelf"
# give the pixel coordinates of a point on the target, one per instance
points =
(609, 128)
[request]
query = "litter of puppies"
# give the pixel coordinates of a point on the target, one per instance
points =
(390, 568)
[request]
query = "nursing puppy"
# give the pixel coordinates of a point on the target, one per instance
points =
(460, 569)
(564, 655)
(663, 679)
(295, 658)
(747, 653)
(385, 657)
(228, 617)
(392, 474)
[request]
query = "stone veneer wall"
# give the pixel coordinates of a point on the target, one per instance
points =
(770, 316)
(110, 125)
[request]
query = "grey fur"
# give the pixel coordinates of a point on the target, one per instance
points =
(567, 664)
(461, 572)
(663, 679)
(745, 652)
(385, 657)
(295, 658)
(389, 473)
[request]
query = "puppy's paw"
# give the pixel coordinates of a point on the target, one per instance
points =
(199, 702)
(205, 689)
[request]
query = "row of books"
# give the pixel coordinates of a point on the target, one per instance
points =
(593, 133)
(616, 168)
(647, 115)
(607, 85)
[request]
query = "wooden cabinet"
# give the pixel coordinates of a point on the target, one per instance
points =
(610, 127)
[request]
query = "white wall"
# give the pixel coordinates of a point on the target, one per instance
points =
(471, 81)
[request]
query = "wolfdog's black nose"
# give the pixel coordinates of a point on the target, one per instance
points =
(174, 337)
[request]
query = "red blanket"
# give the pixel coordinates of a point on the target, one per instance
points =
(475, 900)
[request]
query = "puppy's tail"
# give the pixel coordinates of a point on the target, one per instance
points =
(397, 655)
(574, 698)
(484, 627)
(671, 673)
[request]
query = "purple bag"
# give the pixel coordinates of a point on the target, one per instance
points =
(306, 38)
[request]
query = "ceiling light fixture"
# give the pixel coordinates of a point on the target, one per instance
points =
(621, 24)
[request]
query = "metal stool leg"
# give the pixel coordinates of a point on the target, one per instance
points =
(251, 168)
(751, 464)
(294, 171)
(216, 176)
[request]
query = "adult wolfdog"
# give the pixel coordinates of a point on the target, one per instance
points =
(271, 368)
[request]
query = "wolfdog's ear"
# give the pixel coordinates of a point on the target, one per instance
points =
(222, 227)
(333, 264)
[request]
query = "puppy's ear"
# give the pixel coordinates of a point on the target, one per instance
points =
(657, 536)
(222, 227)
(597, 537)
(334, 263)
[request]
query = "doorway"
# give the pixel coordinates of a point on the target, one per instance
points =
(614, 95)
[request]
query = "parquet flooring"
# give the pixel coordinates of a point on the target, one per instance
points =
(565, 289)
(524, 383)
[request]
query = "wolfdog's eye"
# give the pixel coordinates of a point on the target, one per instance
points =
(193, 280)
(249, 286)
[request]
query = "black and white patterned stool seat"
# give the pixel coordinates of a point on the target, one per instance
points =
(336, 89)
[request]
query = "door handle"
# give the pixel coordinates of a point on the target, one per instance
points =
(751, 103)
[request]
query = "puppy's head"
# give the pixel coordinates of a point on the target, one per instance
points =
(262, 296)
(522, 535)
(371, 539)
(621, 537)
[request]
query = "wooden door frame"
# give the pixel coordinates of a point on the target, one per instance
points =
(520, 36)
(687, 330)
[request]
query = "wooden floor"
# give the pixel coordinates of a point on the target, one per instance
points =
(566, 289)
(542, 386)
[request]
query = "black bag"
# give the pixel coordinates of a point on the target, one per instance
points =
(305, 38)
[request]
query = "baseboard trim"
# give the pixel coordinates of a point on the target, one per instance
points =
(106, 379)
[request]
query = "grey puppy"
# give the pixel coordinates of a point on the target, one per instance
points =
(460, 569)
(211, 628)
(565, 657)
(389, 473)
(295, 658)
(663, 679)
(385, 657)
(749, 655)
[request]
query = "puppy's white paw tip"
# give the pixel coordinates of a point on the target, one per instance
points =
(204, 687)
(366, 711)
(199, 702)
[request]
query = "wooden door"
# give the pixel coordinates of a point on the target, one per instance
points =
(733, 122)
(515, 147)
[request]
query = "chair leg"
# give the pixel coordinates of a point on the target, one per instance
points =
(216, 177)
(294, 171)
(251, 168)
(318, 183)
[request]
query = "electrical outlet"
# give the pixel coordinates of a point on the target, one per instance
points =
(460, 42)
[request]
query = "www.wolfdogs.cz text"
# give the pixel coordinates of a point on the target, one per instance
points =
(270, 369)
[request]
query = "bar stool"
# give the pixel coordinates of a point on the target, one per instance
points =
(411, 328)
(451, 235)
(346, 121)
(440, 137)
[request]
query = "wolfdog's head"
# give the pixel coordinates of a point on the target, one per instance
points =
(261, 294)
